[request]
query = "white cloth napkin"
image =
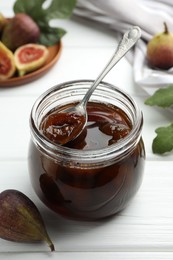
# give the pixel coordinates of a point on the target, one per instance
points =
(149, 15)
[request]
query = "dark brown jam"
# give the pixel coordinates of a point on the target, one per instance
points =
(88, 190)
(105, 125)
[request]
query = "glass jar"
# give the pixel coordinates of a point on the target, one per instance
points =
(86, 184)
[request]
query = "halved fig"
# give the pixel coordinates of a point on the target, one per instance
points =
(30, 57)
(7, 63)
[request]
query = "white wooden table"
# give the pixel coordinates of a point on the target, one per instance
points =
(144, 230)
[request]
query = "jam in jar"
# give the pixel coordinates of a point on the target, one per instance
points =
(98, 173)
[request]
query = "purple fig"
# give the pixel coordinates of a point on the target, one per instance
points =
(20, 219)
(160, 50)
(21, 29)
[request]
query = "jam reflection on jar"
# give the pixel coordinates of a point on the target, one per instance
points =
(97, 174)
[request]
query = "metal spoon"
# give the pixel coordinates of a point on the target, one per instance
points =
(78, 114)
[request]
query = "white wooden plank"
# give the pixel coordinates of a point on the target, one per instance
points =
(74, 64)
(91, 256)
(14, 131)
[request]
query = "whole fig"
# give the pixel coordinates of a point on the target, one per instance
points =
(160, 50)
(21, 29)
(20, 219)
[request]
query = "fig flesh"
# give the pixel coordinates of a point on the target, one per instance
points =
(7, 63)
(20, 30)
(160, 50)
(20, 219)
(30, 57)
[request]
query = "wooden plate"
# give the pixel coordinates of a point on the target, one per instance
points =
(54, 54)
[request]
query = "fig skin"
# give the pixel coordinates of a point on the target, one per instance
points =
(3, 22)
(7, 63)
(160, 50)
(20, 219)
(30, 57)
(20, 30)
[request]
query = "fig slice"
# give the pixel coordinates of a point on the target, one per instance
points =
(30, 57)
(7, 63)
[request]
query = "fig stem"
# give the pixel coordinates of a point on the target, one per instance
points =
(52, 248)
(166, 31)
(50, 244)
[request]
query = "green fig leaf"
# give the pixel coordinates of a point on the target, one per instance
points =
(61, 9)
(163, 142)
(162, 97)
(58, 9)
(32, 8)
(50, 36)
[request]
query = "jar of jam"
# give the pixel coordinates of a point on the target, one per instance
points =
(98, 173)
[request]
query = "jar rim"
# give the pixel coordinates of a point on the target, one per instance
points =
(125, 144)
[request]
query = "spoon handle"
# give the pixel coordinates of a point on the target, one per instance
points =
(129, 39)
